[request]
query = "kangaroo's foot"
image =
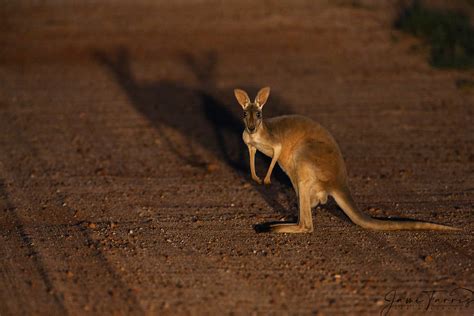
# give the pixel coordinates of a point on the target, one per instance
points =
(290, 228)
(282, 227)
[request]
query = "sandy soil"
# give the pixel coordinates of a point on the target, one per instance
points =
(124, 183)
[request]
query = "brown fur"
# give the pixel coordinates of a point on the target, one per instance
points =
(311, 158)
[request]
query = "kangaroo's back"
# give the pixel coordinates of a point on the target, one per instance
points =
(305, 141)
(296, 129)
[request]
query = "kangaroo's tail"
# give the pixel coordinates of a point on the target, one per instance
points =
(346, 203)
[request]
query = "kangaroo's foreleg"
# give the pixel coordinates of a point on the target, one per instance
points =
(276, 155)
(305, 221)
(252, 151)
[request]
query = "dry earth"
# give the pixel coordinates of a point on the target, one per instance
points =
(124, 184)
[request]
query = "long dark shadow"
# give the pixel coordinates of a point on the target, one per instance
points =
(207, 116)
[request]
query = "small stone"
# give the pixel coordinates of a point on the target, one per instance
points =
(428, 259)
(211, 167)
(92, 225)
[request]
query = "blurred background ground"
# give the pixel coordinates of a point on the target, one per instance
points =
(123, 179)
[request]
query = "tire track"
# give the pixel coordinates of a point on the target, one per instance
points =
(22, 270)
(57, 257)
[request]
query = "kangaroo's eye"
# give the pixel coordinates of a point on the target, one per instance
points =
(245, 114)
(259, 114)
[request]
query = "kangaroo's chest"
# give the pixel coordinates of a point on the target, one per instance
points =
(259, 142)
(265, 149)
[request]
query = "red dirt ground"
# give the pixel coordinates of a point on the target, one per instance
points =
(124, 184)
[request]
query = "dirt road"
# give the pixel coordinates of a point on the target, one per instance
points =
(124, 184)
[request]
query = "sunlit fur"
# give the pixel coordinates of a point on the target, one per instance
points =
(311, 158)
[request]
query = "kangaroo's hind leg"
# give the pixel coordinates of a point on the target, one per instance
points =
(305, 221)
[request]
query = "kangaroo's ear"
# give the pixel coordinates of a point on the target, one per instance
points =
(262, 96)
(242, 97)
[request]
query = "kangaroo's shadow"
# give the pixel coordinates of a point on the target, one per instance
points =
(206, 116)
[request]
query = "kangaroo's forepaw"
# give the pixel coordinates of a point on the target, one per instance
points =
(257, 179)
(267, 181)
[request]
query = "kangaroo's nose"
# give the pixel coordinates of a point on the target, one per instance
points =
(251, 128)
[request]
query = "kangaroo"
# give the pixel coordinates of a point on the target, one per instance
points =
(311, 158)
